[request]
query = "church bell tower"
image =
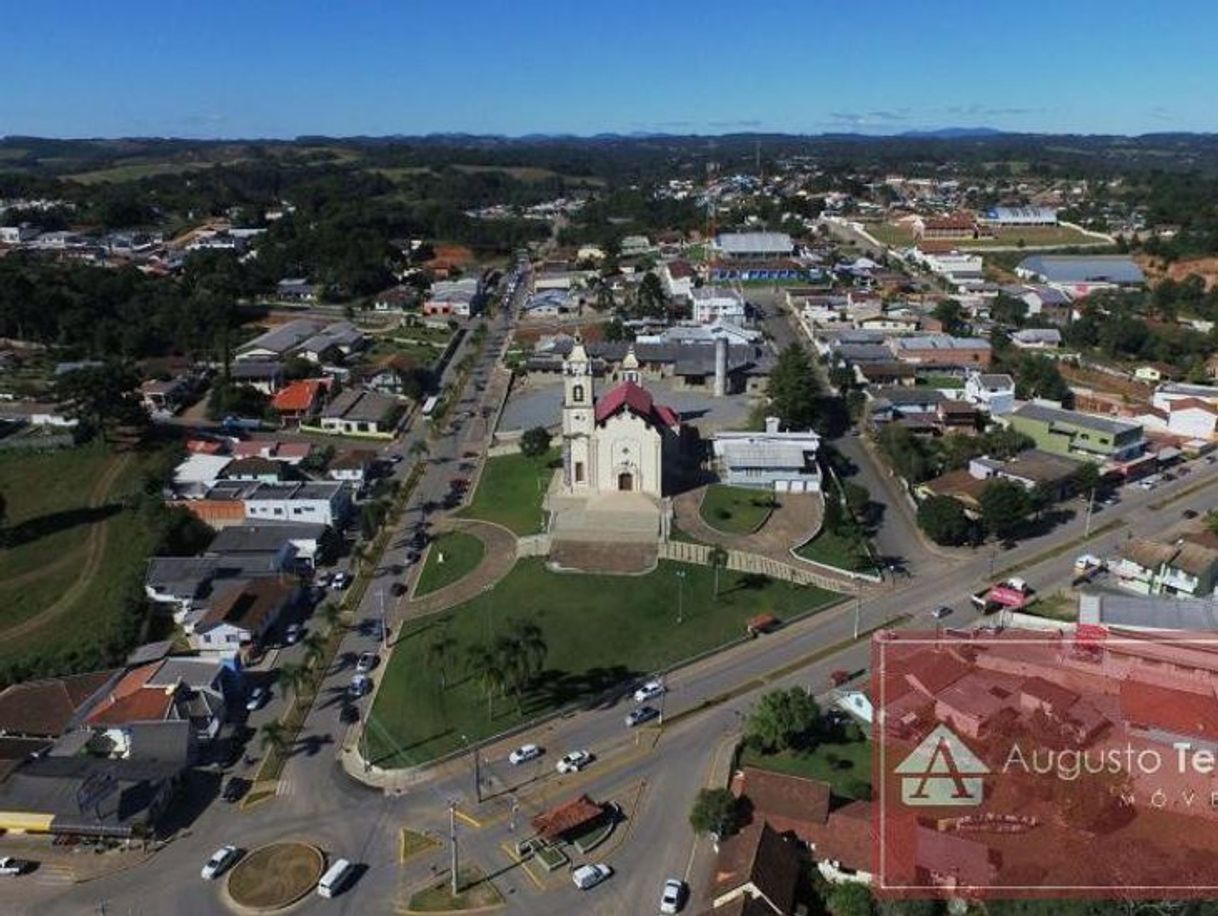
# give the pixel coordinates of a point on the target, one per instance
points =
(578, 419)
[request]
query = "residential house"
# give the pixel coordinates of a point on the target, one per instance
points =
(262, 470)
(1155, 568)
(166, 397)
(1150, 613)
(334, 342)
(1037, 339)
(279, 342)
(300, 401)
(549, 303)
(321, 502)
(992, 392)
(182, 688)
(756, 872)
(1033, 469)
(912, 407)
(287, 546)
(677, 278)
(265, 375)
(295, 289)
(942, 351)
(1078, 435)
(784, 462)
(1189, 411)
(361, 412)
(962, 271)
(238, 617)
(183, 583)
(352, 466)
(291, 453)
(394, 374)
(396, 299)
(456, 298)
(50, 707)
(712, 305)
(1042, 301)
(198, 473)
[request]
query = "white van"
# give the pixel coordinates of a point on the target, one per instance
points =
(333, 880)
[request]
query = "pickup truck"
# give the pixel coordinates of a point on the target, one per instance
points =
(10, 866)
(1013, 593)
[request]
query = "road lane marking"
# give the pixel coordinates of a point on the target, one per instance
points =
(472, 821)
(512, 854)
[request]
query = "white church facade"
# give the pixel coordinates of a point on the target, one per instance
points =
(622, 442)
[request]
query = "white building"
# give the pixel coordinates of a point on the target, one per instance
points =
(619, 442)
(1190, 411)
(711, 304)
(992, 392)
(323, 502)
(770, 460)
(1037, 339)
(752, 246)
(960, 270)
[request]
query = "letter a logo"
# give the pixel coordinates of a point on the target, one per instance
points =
(942, 770)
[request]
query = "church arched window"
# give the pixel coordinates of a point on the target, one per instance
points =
(577, 393)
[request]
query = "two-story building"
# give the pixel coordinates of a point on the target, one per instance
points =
(1151, 567)
(1079, 435)
(992, 392)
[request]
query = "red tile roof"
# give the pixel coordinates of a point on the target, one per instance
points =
(132, 701)
(785, 802)
(46, 707)
(637, 400)
(847, 837)
(298, 396)
(1176, 711)
(554, 823)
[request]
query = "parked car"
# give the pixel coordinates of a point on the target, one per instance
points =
(221, 859)
(349, 714)
(340, 580)
(366, 662)
(673, 896)
(360, 684)
(235, 789)
(641, 715)
(940, 612)
(649, 691)
(292, 634)
(398, 589)
(257, 698)
(11, 867)
(523, 754)
(1189, 513)
(589, 876)
(574, 762)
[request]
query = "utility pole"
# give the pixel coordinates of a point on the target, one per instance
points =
(858, 612)
(384, 625)
(452, 839)
(680, 596)
(1090, 506)
(477, 768)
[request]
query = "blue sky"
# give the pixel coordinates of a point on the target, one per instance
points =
(273, 68)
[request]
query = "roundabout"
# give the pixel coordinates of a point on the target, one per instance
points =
(275, 876)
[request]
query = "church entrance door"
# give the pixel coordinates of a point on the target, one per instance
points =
(625, 482)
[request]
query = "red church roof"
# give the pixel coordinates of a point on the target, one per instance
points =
(638, 401)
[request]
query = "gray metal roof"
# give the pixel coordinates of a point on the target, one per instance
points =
(748, 454)
(1074, 418)
(358, 405)
(754, 242)
(236, 539)
(285, 337)
(1147, 613)
(1115, 268)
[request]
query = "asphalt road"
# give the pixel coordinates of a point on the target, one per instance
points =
(659, 768)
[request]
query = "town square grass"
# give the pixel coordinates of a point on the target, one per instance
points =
(735, 510)
(601, 632)
(511, 490)
(831, 549)
(461, 555)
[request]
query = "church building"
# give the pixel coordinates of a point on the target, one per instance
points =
(622, 442)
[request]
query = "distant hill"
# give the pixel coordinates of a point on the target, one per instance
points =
(952, 133)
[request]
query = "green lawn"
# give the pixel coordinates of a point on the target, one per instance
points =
(941, 381)
(461, 552)
(47, 499)
(511, 490)
(832, 549)
(600, 631)
(735, 510)
(845, 766)
(1031, 236)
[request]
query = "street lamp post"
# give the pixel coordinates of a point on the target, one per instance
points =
(680, 596)
(477, 769)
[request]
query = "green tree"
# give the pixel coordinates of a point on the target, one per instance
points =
(439, 656)
(1087, 478)
(273, 736)
(535, 442)
(781, 718)
(331, 614)
(715, 811)
(531, 643)
(483, 663)
(944, 521)
(652, 301)
(314, 645)
(849, 898)
(371, 517)
(951, 315)
(103, 398)
(293, 677)
(793, 389)
(419, 449)
(717, 557)
(1004, 507)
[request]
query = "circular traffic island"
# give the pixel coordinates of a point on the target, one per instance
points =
(275, 876)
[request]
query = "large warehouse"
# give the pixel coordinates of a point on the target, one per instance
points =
(753, 246)
(1020, 216)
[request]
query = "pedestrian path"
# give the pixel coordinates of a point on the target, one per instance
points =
(498, 558)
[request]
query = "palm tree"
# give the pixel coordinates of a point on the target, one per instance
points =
(418, 448)
(717, 559)
(273, 736)
(439, 653)
(531, 642)
(314, 647)
(331, 614)
(513, 663)
(293, 678)
(486, 666)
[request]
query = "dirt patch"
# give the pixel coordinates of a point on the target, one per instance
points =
(1156, 270)
(276, 876)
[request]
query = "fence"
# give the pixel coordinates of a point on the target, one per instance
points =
(742, 561)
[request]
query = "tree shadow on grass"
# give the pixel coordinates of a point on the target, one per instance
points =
(32, 529)
(399, 750)
(599, 687)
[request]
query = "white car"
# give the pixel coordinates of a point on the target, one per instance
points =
(524, 754)
(366, 662)
(574, 762)
(291, 635)
(649, 691)
(360, 684)
(588, 876)
(340, 580)
(221, 859)
(672, 896)
(257, 699)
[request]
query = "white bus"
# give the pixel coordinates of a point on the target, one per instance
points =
(429, 406)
